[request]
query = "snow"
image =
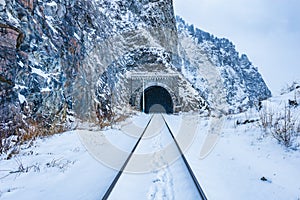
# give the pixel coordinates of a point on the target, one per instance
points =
(240, 159)
(52, 4)
(39, 72)
(77, 36)
(12, 19)
(59, 167)
(47, 89)
(21, 64)
(70, 165)
(22, 98)
(2, 2)
(17, 87)
(49, 20)
(158, 178)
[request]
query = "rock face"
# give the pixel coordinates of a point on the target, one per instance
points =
(63, 60)
(10, 38)
(59, 49)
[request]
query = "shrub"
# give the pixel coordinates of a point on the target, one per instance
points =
(266, 117)
(28, 130)
(284, 126)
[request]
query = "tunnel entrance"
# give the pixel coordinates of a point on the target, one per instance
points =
(157, 100)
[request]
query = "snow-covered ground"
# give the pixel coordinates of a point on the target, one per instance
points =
(64, 166)
(242, 156)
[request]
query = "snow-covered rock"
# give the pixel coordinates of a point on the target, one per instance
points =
(64, 55)
(65, 46)
(242, 83)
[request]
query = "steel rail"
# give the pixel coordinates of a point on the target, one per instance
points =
(200, 190)
(112, 185)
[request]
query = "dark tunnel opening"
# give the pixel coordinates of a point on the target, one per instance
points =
(157, 100)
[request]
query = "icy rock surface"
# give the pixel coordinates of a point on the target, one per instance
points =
(59, 60)
(58, 50)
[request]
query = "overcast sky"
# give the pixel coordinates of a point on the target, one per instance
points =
(267, 31)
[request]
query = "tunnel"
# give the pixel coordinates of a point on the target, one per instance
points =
(157, 100)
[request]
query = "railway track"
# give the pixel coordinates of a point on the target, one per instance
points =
(184, 166)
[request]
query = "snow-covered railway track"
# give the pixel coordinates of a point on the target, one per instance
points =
(162, 178)
(197, 184)
(111, 187)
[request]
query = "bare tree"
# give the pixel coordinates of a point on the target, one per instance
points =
(285, 127)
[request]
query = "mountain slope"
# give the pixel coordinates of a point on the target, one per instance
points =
(243, 84)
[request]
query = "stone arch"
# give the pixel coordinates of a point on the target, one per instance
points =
(139, 94)
(156, 99)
